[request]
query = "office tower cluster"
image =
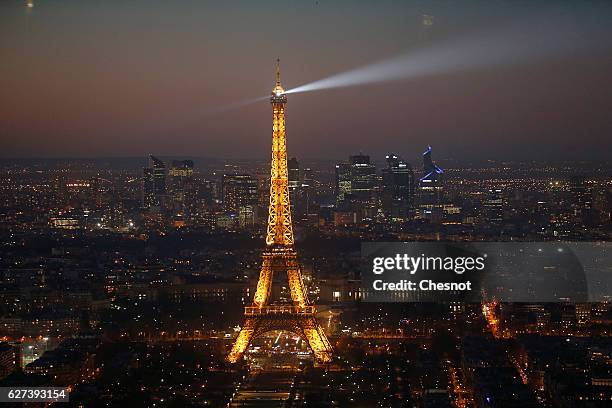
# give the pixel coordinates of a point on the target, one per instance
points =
(231, 197)
(353, 196)
(396, 195)
(173, 194)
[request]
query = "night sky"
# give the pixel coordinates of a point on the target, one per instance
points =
(129, 78)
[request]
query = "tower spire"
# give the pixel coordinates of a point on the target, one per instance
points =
(278, 93)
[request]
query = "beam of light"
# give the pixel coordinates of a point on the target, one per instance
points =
(196, 115)
(528, 42)
(234, 105)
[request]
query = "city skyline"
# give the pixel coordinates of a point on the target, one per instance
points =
(421, 218)
(129, 284)
(173, 81)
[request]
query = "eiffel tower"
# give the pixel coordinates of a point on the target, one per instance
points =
(280, 257)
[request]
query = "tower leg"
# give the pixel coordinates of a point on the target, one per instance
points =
(264, 284)
(296, 286)
(242, 341)
(317, 340)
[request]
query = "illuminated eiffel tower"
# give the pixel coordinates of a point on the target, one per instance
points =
(280, 256)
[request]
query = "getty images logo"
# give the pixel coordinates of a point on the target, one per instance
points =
(412, 264)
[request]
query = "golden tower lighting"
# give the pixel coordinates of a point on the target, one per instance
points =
(280, 257)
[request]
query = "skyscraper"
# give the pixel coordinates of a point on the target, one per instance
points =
(356, 180)
(239, 191)
(181, 180)
(159, 175)
(398, 188)
(298, 190)
(430, 189)
(494, 207)
(294, 174)
(343, 181)
(363, 178)
(154, 183)
(148, 188)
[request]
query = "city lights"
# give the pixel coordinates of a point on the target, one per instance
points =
(438, 235)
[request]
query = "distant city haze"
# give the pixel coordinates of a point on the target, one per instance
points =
(183, 78)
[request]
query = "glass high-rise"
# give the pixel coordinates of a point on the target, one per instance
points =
(398, 188)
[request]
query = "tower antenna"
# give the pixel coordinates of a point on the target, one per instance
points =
(277, 71)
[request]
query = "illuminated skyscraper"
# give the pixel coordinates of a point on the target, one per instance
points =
(148, 188)
(154, 183)
(181, 180)
(398, 188)
(363, 178)
(494, 206)
(159, 175)
(430, 189)
(356, 180)
(343, 181)
(298, 190)
(294, 174)
(239, 191)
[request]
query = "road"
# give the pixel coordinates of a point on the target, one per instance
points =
(268, 388)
